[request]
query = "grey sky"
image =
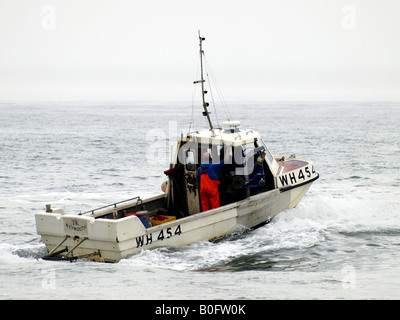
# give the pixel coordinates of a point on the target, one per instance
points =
(148, 50)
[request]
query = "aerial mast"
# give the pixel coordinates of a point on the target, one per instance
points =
(206, 113)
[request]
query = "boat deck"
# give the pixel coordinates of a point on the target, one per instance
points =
(290, 165)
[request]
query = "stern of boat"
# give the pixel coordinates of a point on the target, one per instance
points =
(68, 237)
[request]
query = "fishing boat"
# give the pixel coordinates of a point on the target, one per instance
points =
(253, 185)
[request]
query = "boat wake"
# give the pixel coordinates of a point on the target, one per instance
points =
(19, 253)
(296, 239)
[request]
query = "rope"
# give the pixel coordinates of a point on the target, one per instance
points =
(219, 92)
(212, 98)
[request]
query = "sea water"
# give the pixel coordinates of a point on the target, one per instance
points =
(341, 242)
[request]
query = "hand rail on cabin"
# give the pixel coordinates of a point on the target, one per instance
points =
(112, 205)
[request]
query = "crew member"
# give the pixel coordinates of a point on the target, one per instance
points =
(207, 175)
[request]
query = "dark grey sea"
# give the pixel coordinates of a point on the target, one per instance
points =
(341, 242)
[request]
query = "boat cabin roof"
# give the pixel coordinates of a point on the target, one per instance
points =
(230, 133)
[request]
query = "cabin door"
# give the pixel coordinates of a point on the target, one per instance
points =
(192, 191)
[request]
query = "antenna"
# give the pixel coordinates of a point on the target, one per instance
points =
(206, 113)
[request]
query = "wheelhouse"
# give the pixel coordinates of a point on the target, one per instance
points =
(250, 168)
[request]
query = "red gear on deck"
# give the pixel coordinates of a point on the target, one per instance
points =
(209, 194)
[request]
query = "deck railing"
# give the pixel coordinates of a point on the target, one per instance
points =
(114, 205)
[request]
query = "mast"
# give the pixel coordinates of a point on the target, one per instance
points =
(206, 113)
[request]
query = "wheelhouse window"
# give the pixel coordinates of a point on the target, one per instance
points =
(190, 160)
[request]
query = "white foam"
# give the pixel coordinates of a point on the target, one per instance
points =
(369, 212)
(304, 226)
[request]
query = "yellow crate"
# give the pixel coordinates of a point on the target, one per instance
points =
(157, 222)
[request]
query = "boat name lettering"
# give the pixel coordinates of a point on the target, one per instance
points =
(293, 177)
(74, 225)
(163, 234)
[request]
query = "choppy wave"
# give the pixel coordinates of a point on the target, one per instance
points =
(283, 243)
(81, 157)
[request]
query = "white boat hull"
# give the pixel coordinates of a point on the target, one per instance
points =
(109, 240)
